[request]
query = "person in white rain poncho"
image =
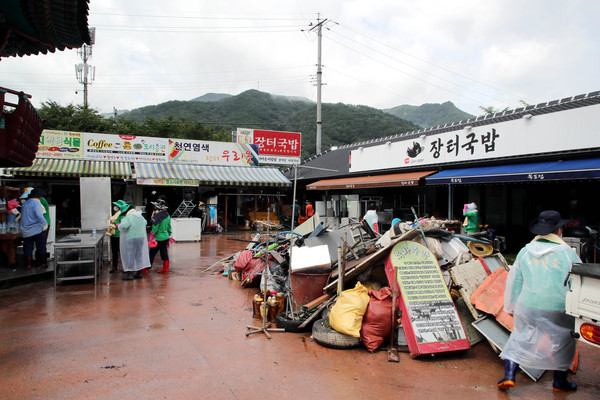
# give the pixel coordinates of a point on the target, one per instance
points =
(134, 244)
(535, 293)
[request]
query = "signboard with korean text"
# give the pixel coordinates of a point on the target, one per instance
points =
(167, 182)
(200, 152)
(429, 318)
(60, 144)
(104, 147)
(275, 147)
(567, 130)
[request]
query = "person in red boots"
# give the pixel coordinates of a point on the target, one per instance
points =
(161, 232)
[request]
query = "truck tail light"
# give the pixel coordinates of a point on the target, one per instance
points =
(590, 332)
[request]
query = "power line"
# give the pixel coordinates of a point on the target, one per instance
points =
(411, 75)
(430, 63)
(411, 66)
(163, 16)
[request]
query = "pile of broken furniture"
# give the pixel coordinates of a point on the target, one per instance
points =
(352, 255)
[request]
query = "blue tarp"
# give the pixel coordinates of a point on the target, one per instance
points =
(544, 171)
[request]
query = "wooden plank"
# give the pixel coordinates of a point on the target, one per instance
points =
(468, 277)
(317, 302)
(371, 260)
(317, 312)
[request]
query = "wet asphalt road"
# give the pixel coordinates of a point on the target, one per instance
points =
(182, 336)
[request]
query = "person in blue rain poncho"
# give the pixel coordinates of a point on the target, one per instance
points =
(134, 244)
(535, 293)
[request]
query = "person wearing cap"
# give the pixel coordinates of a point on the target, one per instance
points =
(471, 215)
(535, 293)
(33, 226)
(120, 207)
(133, 243)
(161, 232)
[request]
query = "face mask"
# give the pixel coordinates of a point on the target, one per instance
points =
(115, 208)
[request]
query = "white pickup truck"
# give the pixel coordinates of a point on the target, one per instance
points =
(583, 302)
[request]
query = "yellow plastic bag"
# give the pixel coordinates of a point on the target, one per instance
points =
(347, 312)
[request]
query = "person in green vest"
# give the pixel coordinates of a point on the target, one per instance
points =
(161, 233)
(471, 215)
(120, 208)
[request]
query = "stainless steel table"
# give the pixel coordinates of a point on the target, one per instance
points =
(80, 255)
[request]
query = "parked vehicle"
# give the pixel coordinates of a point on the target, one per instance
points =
(583, 302)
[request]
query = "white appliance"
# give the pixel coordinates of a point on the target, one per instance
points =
(186, 229)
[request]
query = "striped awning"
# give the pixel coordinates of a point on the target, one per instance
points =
(73, 168)
(212, 174)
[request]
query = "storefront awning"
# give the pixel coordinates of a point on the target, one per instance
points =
(391, 180)
(544, 171)
(182, 174)
(73, 168)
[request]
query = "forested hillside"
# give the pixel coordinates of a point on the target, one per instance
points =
(214, 116)
(342, 124)
(428, 115)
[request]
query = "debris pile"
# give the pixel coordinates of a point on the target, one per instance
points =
(340, 283)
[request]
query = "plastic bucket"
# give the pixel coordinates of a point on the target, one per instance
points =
(307, 287)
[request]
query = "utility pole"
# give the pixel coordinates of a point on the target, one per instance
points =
(86, 73)
(319, 28)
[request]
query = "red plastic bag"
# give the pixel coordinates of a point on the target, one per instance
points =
(252, 272)
(151, 241)
(242, 260)
(377, 321)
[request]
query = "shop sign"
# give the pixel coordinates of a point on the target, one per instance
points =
(211, 153)
(278, 160)
(429, 317)
(274, 147)
(167, 182)
(568, 130)
(60, 144)
(105, 147)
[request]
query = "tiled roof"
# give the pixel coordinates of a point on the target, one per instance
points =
(338, 158)
(42, 26)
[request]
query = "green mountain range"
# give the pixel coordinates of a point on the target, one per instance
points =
(342, 123)
(428, 115)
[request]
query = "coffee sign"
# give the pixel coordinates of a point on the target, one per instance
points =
(105, 147)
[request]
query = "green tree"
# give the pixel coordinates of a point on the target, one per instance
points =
(81, 119)
(73, 118)
(490, 110)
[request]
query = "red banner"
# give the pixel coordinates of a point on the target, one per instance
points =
(278, 143)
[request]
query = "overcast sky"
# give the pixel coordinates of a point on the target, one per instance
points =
(379, 53)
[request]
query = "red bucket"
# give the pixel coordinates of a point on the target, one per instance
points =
(307, 287)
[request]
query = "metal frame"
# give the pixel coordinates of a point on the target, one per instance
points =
(96, 242)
